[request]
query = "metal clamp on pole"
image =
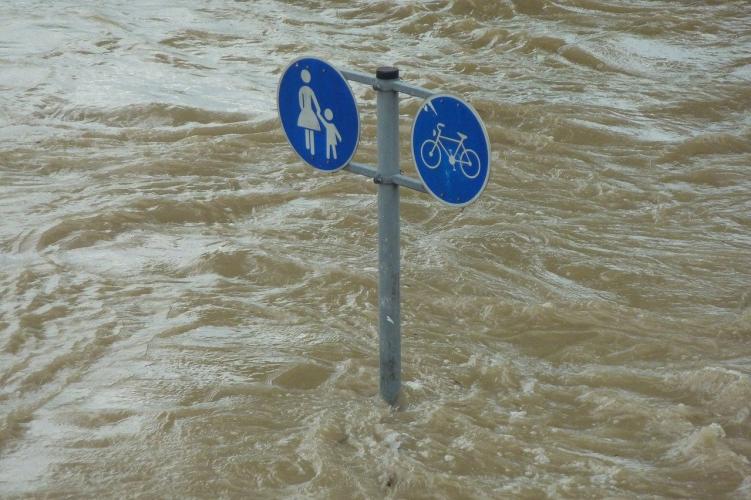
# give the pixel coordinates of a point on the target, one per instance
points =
(380, 179)
(389, 309)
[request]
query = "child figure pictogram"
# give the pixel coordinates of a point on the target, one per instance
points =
(333, 138)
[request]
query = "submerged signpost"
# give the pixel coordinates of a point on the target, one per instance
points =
(450, 150)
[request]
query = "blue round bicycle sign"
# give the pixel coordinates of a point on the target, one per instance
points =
(318, 113)
(451, 150)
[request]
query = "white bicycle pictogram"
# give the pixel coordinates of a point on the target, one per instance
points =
(467, 159)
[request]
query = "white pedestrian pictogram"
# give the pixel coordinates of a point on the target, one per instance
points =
(332, 133)
(307, 119)
(311, 120)
(431, 152)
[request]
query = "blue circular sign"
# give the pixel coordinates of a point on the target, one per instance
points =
(451, 150)
(318, 113)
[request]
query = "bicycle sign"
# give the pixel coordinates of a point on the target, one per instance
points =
(451, 150)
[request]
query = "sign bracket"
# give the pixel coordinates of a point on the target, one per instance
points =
(387, 85)
(399, 179)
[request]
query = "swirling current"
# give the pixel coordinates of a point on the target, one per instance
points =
(189, 311)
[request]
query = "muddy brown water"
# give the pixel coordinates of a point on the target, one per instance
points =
(186, 310)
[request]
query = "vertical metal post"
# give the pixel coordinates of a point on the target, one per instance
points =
(389, 320)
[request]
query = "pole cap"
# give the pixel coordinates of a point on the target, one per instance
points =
(387, 73)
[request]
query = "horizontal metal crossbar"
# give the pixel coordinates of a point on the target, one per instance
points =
(396, 85)
(386, 85)
(398, 179)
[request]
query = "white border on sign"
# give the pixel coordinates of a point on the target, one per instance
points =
(357, 110)
(414, 160)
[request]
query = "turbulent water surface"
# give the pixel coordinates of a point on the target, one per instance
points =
(187, 310)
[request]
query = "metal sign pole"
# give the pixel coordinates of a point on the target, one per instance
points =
(456, 175)
(389, 320)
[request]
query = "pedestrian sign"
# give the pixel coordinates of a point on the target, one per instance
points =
(451, 150)
(318, 113)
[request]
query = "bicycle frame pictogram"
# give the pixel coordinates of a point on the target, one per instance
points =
(467, 159)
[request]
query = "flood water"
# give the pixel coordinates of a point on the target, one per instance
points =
(188, 310)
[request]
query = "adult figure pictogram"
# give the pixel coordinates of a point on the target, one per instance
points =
(308, 119)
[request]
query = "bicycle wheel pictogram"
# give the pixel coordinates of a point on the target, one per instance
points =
(430, 154)
(469, 163)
